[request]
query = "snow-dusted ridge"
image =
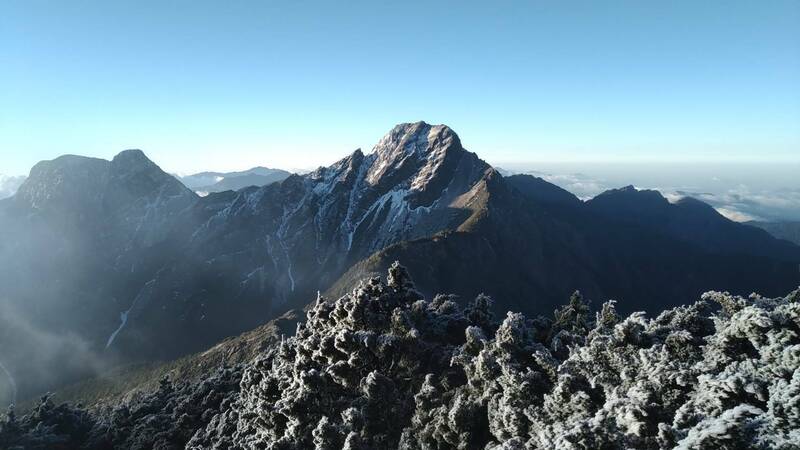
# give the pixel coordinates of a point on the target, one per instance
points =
(404, 188)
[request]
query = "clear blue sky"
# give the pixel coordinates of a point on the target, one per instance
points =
(231, 84)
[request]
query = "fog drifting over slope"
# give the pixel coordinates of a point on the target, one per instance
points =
(739, 191)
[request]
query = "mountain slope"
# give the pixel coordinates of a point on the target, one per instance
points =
(789, 231)
(689, 220)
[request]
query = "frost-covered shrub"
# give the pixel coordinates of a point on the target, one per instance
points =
(383, 368)
(48, 427)
(163, 419)
(350, 375)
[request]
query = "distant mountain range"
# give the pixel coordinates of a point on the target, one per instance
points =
(208, 182)
(9, 185)
(108, 261)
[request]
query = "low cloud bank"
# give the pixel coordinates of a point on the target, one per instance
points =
(736, 194)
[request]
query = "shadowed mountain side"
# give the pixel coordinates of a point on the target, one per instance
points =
(690, 220)
(789, 231)
(467, 264)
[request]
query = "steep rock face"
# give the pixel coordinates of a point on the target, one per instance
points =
(406, 188)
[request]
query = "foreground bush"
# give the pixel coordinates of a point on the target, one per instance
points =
(163, 419)
(382, 368)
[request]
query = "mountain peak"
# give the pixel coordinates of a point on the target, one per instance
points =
(411, 147)
(414, 137)
(632, 204)
(136, 175)
(131, 160)
(132, 153)
(631, 194)
(81, 183)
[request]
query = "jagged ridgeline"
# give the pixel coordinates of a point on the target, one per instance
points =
(384, 368)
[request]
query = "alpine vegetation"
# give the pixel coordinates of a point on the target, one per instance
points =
(165, 418)
(384, 368)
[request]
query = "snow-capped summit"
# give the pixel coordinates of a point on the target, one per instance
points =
(412, 147)
(414, 137)
(415, 182)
